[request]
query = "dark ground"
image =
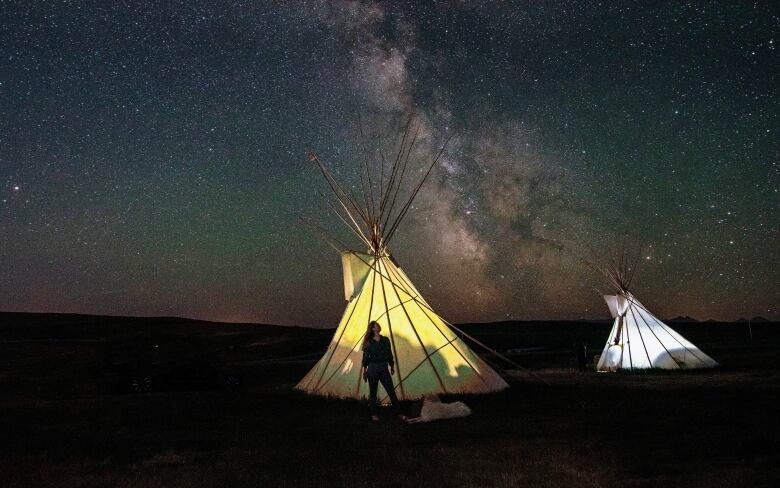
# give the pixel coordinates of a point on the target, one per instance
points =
(65, 421)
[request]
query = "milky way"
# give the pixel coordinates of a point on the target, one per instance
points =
(153, 160)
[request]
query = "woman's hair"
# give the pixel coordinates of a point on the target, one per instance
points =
(369, 332)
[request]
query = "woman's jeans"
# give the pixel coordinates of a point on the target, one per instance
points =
(378, 373)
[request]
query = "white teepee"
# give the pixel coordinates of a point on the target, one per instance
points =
(638, 339)
(429, 357)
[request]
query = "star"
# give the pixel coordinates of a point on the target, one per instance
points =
(179, 154)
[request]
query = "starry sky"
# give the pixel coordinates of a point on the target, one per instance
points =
(153, 157)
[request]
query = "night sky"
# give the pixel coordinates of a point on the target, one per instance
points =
(153, 159)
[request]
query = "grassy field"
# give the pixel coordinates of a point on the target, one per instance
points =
(60, 428)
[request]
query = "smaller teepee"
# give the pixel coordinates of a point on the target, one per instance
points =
(639, 340)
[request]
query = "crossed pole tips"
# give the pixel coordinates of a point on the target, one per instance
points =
(375, 213)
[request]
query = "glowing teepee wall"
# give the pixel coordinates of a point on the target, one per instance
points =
(430, 357)
(639, 340)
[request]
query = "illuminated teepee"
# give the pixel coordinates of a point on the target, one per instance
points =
(639, 340)
(429, 356)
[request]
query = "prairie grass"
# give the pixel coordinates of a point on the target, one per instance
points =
(715, 428)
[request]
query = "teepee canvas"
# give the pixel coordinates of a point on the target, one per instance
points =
(429, 357)
(638, 339)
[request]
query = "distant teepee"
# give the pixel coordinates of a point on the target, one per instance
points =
(639, 340)
(429, 356)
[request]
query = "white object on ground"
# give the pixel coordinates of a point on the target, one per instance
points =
(434, 409)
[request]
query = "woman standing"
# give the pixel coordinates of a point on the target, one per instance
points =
(378, 367)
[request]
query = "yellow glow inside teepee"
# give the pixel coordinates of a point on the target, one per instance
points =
(430, 357)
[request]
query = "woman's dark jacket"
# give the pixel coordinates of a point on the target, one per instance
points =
(378, 352)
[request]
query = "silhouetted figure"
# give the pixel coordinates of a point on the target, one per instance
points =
(377, 358)
(581, 349)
